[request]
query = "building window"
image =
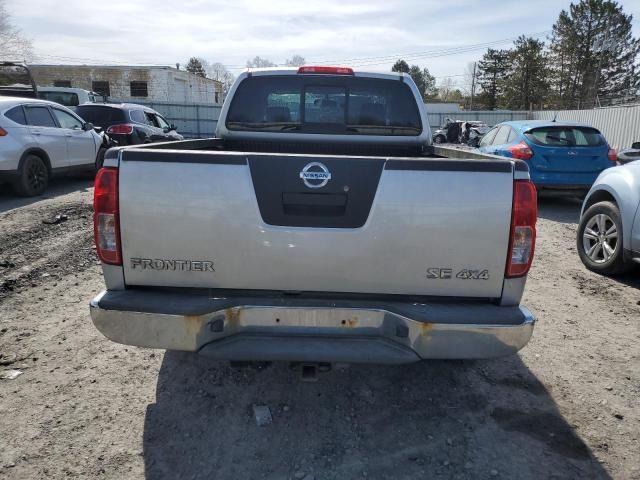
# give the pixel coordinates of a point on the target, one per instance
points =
(139, 89)
(217, 98)
(62, 83)
(101, 87)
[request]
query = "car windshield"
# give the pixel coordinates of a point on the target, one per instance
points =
(566, 136)
(312, 104)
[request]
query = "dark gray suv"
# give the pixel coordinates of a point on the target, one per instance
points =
(129, 123)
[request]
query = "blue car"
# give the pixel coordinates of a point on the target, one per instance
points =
(560, 155)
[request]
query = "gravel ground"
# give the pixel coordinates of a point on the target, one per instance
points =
(84, 407)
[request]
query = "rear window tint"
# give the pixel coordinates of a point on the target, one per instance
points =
(566, 136)
(17, 115)
(100, 115)
(318, 104)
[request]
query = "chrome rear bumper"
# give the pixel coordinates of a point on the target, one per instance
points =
(320, 330)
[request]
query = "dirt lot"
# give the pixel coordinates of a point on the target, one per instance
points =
(566, 407)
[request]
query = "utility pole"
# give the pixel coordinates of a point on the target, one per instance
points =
(473, 85)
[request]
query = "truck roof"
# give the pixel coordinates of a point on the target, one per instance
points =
(356, 73)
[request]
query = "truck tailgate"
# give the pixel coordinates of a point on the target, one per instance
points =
(248, 221)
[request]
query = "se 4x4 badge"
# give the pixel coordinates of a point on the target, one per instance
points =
(464, 274)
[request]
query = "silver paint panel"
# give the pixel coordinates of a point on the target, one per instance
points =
(418, 220)
(113, 276)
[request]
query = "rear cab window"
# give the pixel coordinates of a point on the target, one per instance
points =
(330, 105)
(566, 136)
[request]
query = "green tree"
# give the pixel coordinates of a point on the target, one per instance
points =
(526, 82)
(196, 65)
(493, 69)
(425, 82)
(400, 66)
(593, 54)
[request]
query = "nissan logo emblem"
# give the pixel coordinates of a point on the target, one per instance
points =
(315, 175)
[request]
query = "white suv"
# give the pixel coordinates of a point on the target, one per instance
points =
(39, 138)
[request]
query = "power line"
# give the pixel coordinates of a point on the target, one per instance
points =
(431, 53)
(355, 62)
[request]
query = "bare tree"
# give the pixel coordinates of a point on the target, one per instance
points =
(13, 45)
(295, 61)
(445, 89)
(219, 72)
(259, 62)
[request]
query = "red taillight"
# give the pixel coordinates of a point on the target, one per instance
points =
(612, 155)
(3, 132)
(522, 240)
(326, 70)
(122, 129)
(106, 218)
(521, 151)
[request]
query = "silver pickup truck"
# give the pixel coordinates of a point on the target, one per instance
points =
(319, 225)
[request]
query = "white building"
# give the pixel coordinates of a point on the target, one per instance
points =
(132, 83)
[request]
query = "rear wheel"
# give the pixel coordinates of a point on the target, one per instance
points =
(599, 239)
(33, 177)
(439, 139)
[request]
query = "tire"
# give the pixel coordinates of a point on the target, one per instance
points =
(599, 226)
(100, 158)
(33, 177)
(439, 139)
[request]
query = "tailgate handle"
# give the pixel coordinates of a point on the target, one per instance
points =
(314, 204)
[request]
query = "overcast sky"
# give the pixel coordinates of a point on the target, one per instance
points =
(370, 34)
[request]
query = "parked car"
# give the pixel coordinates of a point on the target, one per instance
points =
(317, 227)
(629, 154)
(129, 123)
(560, 155)
(70, 97)
(449, 132)
(609, 230)
(39, 138)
